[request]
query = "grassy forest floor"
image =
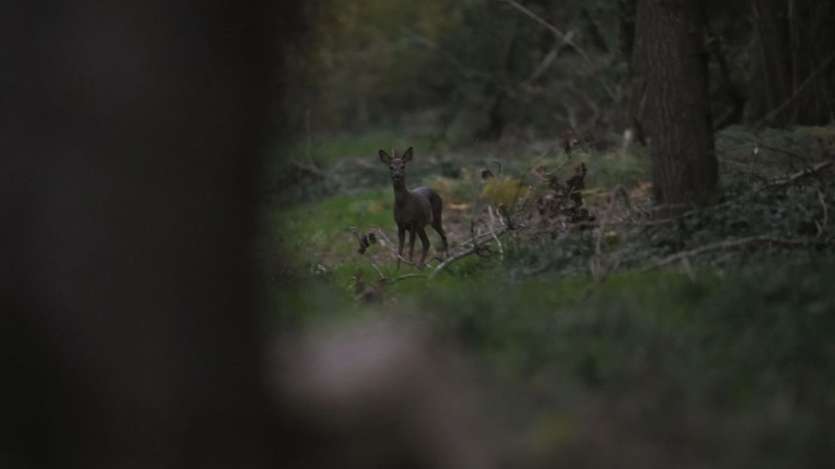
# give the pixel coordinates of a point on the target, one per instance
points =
(704, 341)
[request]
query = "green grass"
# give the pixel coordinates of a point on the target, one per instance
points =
(325, 149)
(316, 236)
(319, 225)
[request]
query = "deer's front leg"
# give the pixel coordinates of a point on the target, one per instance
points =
(401, 236)
(411, 244)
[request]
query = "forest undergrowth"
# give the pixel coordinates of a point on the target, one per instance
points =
(712, 329)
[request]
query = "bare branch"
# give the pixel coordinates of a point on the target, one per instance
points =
(543, 66)
(475, 247)
(377, 269)
(493, 231)
(567, 39)
(800, 174)
(800, 89)
(405, 277)
(825, 221)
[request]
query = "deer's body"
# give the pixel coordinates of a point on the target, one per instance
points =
(413, 209)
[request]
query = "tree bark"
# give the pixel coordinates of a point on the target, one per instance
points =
(674, 67)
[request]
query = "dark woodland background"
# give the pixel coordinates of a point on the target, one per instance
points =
(197, 269)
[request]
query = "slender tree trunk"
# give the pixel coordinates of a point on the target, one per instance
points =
(630, 50)
(794, 39)
(672, 55)
(503, 71)
(729, 94)
(626, 32)
(773, 58)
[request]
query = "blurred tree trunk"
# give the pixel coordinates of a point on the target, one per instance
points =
(792, 72)
(673, 64)
(125, 274)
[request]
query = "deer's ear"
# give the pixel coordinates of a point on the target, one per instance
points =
(384, 157)
(407, 156)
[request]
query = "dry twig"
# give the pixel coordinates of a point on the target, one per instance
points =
(566, 38)
(493, 231)
(376, 269)
(475, 247)
(405, 277)
(825, 221)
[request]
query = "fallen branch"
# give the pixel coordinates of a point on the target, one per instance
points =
(405, 277)
(737, 243)
(387, 280)
(377, 269)
(380, 274)
(475, 247)
(493, 231)
(800, 174)
(825, 221)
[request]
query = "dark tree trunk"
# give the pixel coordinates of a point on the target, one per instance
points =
(503, 73)
(773, 59)
(674, 67)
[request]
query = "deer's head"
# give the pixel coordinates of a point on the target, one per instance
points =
(570, 139)
(397, 165)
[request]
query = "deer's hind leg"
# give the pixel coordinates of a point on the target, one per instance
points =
(411, 243)
(424, 241)
(440, 229)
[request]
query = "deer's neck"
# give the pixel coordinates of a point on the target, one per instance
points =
(400, 191)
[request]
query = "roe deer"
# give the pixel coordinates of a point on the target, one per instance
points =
(413, 209)
(569, 140)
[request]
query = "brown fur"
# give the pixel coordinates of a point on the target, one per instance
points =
(413, 209)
